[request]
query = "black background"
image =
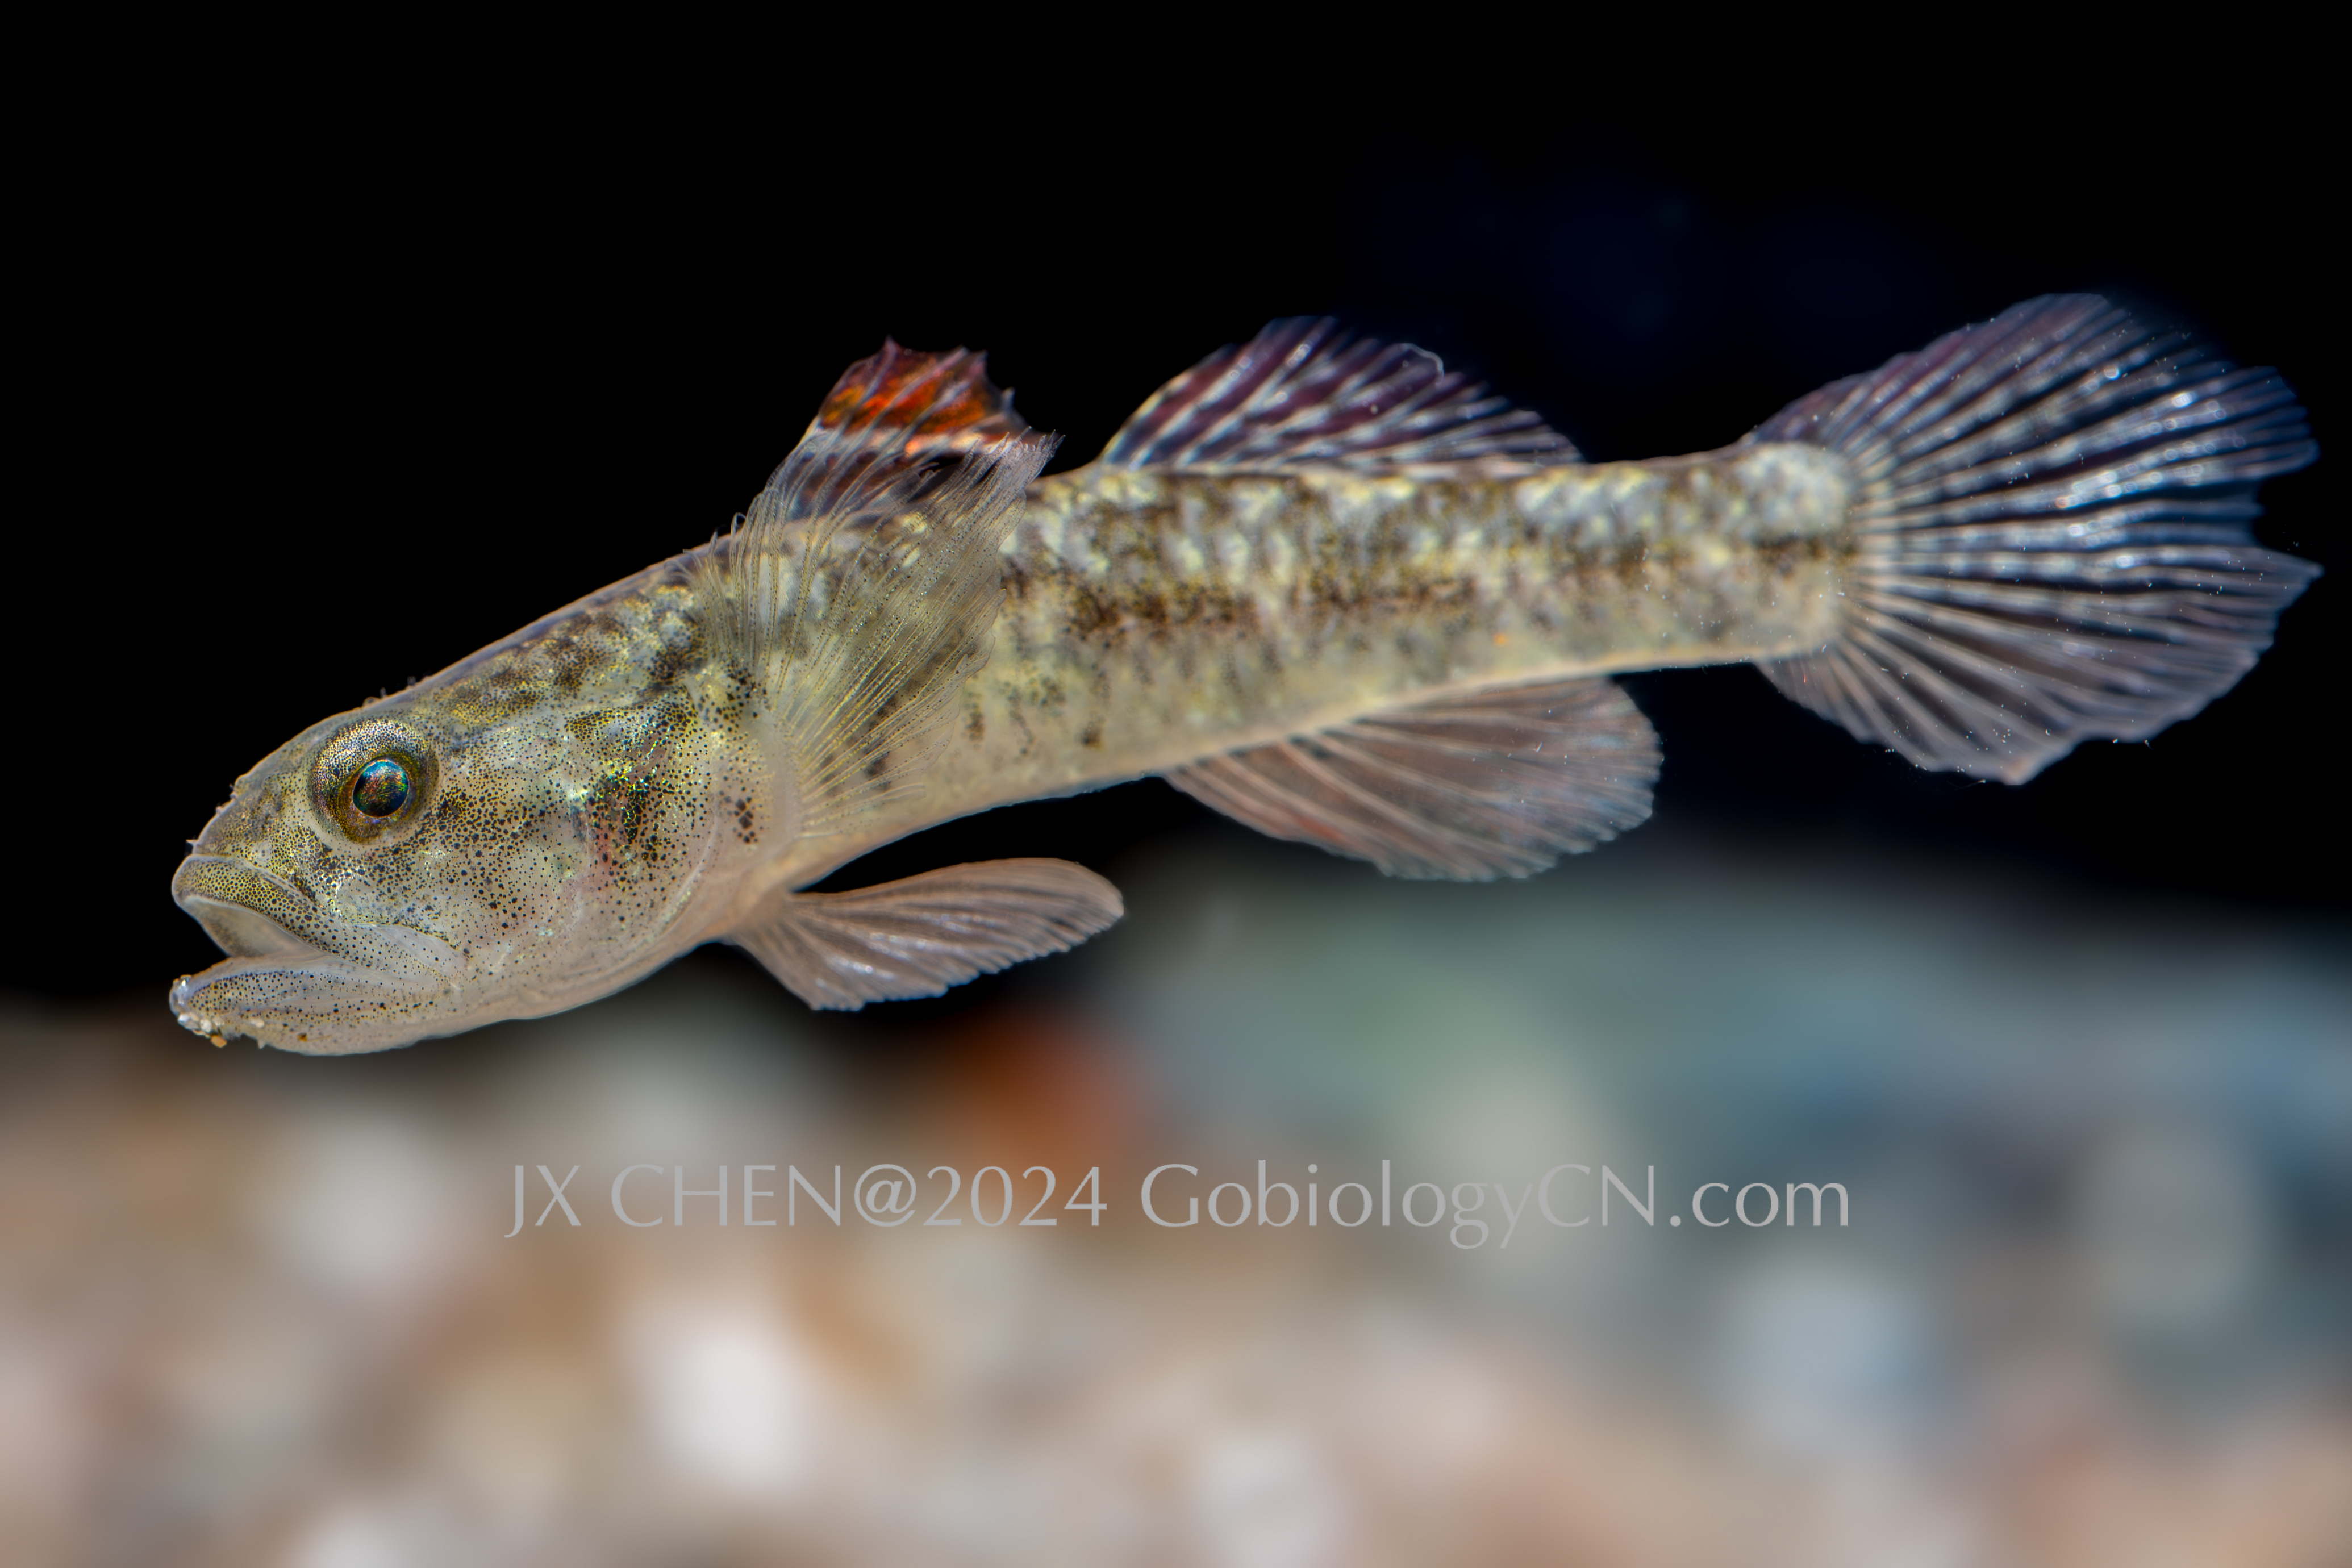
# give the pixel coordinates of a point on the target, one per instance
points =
(325, 392)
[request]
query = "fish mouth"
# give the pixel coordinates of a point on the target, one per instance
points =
(297, 977)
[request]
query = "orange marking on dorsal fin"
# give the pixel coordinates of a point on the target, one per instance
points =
(892, 425)
(934, 403)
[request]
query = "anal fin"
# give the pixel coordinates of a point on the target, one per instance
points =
(921, 935)
(1498, 783)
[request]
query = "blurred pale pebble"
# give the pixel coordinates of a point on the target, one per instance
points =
(729, 1395)
(1268, 1498)
(409, 1530)
(1819, 1360)
(1886, 1515)
(2176, 1228)
(519, 1430)
(363, 1208)
(49, 1443)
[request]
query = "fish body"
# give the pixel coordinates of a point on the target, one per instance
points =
(1155, 618)
(1323, 587)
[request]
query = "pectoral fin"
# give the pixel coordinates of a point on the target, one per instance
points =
(919, 936)
(1494, 784)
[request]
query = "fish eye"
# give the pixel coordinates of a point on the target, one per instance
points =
(373, 781)
(382, 788)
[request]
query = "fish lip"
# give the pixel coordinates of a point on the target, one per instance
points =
(206, 887)
(317, 1005)
(252, 915)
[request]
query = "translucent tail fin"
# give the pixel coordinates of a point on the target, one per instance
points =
(2055, 542)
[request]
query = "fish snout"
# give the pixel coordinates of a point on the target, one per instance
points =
(251, 816)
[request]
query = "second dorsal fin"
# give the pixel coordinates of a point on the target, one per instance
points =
(1490, 784)
(1303, 391)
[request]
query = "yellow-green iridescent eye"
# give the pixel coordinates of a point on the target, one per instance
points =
(381, 788)
(373, 781)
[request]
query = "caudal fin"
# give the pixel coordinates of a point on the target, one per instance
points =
(2054, 522)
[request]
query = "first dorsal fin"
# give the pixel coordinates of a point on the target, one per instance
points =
(892, 418)
(1497, 782)
(1303, 391)
(860, 588)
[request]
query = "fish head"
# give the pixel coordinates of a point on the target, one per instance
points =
(484, 849)
(310, 878)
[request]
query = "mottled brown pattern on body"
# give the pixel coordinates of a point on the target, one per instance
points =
(639, 635)
(1153, 618)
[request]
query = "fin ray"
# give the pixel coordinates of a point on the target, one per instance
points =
(921, 935)
(1302, 391)
(860, 588)
(1497, 782)
(2055, 541)
(892, 422)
